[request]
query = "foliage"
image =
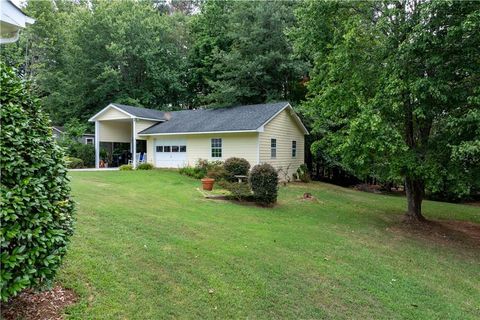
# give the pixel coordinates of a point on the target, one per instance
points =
(36, 208)
(145, 166)
(74, 163)
(394, 90)
(75, 129)
(218, 173)
(241, 55)
(236, 166)
(239, 191)
(75, 149)
(263, 180)
(126, 167)
(193, 172)
(202, 167)
(302, 173)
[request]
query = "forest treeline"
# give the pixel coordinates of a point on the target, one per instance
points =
(81, 55)
(390, 90)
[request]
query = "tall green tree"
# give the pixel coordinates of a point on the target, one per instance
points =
(241, 54)
(395, 90)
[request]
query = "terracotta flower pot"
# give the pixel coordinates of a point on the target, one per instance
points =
(207, 184)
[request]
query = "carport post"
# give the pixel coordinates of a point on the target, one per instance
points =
(134, 143)
(97, 145)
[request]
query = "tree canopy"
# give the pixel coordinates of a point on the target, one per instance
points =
(394, 91)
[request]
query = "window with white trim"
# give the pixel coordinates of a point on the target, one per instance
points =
(294, 149)
(273, 148)
(159, 148)
(88, 140)
(216, 147)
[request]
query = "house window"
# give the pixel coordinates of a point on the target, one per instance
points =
(216, 148)
(166, 149)
(183, 148)
(175, 148)
(89, 140)
(273, 148)
(159, 148)
(294, 149)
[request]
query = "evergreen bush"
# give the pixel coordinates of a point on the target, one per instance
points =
(36, 208)
(236, 166)
(263, 181)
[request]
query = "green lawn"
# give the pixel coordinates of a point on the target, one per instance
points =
(149, 246)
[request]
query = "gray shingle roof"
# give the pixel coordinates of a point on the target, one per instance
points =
(238, 118)
(141, 112)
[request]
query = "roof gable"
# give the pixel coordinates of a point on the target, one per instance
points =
(129, 112)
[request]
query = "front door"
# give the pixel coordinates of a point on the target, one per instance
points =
(170, 153)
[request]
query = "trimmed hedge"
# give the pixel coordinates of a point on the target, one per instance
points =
(36, 208)
(264, 183)
(236, 166)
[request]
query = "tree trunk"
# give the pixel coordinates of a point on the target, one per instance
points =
(415, 190)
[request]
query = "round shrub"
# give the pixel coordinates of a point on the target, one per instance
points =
(36, 208)
(126, 167)
(264, 184)
(145, 166)
(74, 163)
(236, 166)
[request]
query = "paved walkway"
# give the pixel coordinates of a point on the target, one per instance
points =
(94, 169)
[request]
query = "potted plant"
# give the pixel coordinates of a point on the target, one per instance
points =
(207, 183)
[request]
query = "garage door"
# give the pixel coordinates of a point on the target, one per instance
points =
(171, 153)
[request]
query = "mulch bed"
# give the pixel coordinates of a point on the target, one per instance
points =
(32, 305)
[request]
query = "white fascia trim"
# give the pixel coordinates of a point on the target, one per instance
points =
(188, 133)
(92, 119)
(57, 130)
(107, 107)
(293, 113)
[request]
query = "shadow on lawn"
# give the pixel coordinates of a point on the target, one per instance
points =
(443, 232)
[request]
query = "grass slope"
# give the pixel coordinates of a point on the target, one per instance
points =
(148, 246)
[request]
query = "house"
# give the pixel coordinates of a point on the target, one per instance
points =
(58, 133)
(12, 20)
(260, 133)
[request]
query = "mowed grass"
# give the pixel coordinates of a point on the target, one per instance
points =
(149, 246)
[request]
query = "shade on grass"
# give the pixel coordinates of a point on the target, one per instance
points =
(149, 246)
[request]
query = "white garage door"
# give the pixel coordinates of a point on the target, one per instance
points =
(170, 153)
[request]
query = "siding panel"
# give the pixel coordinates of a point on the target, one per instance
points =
(283, 128)
(115, 131)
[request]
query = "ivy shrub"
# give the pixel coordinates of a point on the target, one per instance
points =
(74, 163)
(145, 166)
(236, 166)
(263, 181)
(126, 167)
(37, 212)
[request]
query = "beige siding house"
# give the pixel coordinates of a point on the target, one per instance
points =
(265, 133)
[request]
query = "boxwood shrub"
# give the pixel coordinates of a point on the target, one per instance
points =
(263, 181)
(36, 208)
(236, 166)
